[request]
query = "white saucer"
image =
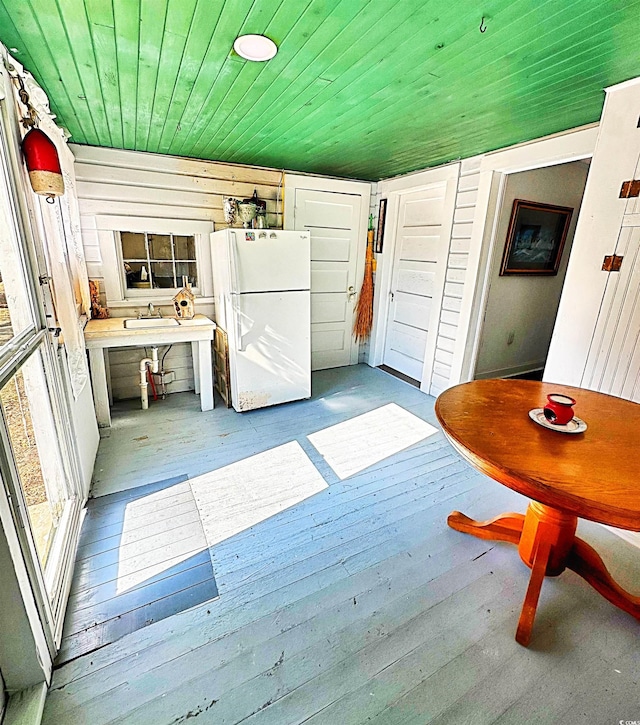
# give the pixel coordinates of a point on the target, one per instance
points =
(575, 425)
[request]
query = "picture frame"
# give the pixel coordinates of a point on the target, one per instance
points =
(535, 238)
(382, 213)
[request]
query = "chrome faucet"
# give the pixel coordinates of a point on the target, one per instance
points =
(151, 312)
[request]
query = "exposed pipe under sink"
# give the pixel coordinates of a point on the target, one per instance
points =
(153, 363)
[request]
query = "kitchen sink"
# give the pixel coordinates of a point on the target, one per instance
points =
(150, 322)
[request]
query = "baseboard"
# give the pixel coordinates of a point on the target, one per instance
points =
(26, 707)
(510, 371)
(633, 537)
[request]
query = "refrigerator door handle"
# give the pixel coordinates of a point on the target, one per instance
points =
(237, 316)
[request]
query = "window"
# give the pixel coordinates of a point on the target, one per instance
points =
(168, 249)
(158, 261)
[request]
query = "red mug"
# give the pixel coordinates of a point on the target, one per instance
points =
(559, 408)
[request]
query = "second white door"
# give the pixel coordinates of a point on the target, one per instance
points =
(336, 223)
(422, 231)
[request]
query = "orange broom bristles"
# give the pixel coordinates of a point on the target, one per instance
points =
(364, 310)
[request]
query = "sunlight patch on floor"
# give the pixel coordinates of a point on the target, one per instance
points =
(243, 494)
(356, 444)
(140, 556)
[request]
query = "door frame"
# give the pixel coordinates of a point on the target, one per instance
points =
(495, 167)
(293, 182)
(393, 190)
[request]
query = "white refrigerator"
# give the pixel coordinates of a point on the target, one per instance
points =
(261, 281)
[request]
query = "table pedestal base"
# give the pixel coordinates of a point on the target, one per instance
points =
(547, 544)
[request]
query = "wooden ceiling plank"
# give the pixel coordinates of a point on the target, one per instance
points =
(278, 28)
(366, 75)
(404, 73)
(78, 37)
(377, 96)
(239, 75)
(304, 67)
(291, 98)
(72, 111)
(391, 111)
(305, 131)
(102, 28)
(153, 14)
(180, 15)
(205, 19)
(204, 88)
(127, 37)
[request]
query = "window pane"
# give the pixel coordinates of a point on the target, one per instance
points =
(35, 453)
(134, 275)
(185, 248)
(159, 246)
(188, 269)
(162, 273)
(16, 314)
(133, 245)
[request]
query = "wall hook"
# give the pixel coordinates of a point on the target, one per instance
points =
(483, 26)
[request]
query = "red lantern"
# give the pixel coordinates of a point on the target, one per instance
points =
(43, 164)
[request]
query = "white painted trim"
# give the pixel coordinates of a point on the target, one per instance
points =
(7, 520)
(623, 84)
(448, 211)
(416, 179)
(293, 182)
(563, 148)
(632, 537)
(26, 706)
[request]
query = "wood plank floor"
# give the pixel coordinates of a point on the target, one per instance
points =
(357, 604)
(142, 556)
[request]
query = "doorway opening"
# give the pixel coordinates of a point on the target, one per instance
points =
(520, 309)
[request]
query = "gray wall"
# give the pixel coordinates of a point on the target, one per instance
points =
(526, 306)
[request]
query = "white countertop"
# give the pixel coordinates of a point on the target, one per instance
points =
(112, 332)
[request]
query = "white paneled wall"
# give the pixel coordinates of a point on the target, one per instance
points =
(111, 182)
(458, 258)
(124, 375)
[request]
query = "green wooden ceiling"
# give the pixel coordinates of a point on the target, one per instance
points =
(359, 88)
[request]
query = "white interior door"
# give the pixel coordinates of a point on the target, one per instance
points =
(421, 245)
(613, 364)
(335, 222)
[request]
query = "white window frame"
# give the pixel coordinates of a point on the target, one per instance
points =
(117, 294)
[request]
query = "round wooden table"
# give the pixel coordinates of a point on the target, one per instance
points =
(593, 475)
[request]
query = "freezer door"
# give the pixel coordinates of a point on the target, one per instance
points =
(270, 260)
(270, 349)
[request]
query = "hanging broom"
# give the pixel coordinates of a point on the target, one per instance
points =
(364, 309)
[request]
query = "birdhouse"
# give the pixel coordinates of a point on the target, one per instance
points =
(185, 303)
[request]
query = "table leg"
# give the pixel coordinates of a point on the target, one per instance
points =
(506, 527)
(586, 562)
(547, 544)
(542, 549)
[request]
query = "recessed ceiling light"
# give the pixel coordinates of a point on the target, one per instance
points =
(255, 47)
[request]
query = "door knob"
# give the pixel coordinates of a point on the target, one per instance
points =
(351, 293)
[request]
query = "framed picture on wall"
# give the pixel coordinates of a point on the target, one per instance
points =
(535, 239)
(382, 213)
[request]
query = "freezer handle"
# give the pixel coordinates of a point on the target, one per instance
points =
(233, 263)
